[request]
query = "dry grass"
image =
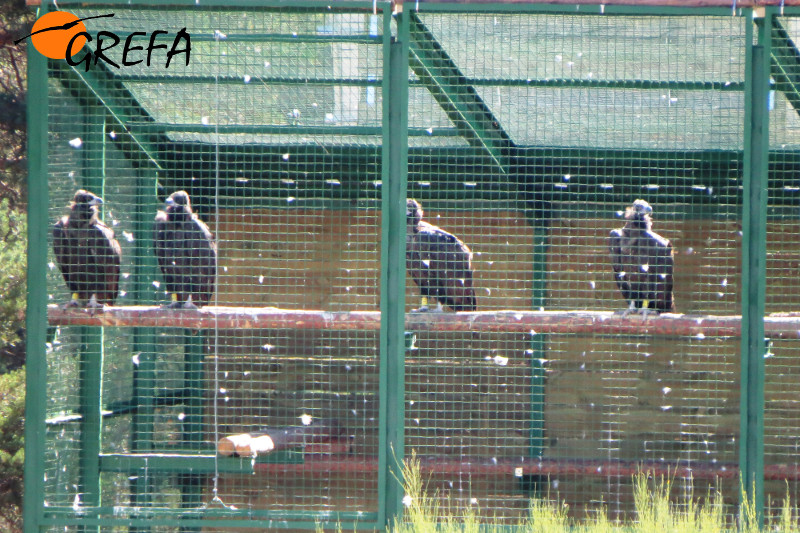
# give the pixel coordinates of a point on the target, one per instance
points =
(655, 512)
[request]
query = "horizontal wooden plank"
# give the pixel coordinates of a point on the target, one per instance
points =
(533, 322)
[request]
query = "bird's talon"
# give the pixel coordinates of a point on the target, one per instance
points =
(422, 309)
(172, 305)
(189, 305)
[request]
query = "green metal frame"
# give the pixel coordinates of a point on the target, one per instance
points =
(455, 95)
(36, 314)
(412, 46)
(393, 272)
(754, 256)
(786, 64)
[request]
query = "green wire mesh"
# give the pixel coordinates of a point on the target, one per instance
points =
(780, 422)
(529, 135)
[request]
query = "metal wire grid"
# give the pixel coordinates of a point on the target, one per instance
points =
(565, 88)
(294, 230)
(470, 397)
(781, 424)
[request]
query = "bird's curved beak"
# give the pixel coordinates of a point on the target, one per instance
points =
(96, 201)
(169, 202)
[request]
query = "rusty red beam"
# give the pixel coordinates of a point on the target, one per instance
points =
(785, 326)
(321, 466)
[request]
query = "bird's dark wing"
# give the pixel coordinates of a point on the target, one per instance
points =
(165, 251)
(449, 267)
(618, 263)
(204, 259)
(90, 260)
(187, 254)
(416, 267)
(62, 247)
(661, 268)
(107, 256)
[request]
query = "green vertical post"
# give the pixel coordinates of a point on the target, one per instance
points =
(91, 347)
(193, 427)
(91, 350)
(91, 392)
(194, 382)
(394, 170)
(754, 219)
(144, 385)
(36, 314)
(538, 341)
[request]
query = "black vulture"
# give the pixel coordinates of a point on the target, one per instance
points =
(439, 263)
(186, 252)
(642, 261)
(87, 253)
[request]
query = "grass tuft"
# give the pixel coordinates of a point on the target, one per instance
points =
(426, 512)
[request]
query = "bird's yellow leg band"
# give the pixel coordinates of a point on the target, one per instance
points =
(424, 301)
(174, 297)
(75, 296)
(645, 304)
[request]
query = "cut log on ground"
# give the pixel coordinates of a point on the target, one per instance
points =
(272, 439)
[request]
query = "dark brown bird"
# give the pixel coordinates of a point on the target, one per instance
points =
(642, 261)
(439, 263)
(87, 253)
(186, 252)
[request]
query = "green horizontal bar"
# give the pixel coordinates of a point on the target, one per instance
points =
(254, 80)
(340, 5)
(253, 518)
(197, 464)
(265, 37)
(283, 514)
(256, 129)
(278, 130)
(477, 82)
(612, 84)
(431, 7)
(573, 9)
(123, 407)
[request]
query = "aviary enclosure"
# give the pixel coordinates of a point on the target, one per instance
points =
(298, 129)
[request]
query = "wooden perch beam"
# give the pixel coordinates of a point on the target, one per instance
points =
(582, 322)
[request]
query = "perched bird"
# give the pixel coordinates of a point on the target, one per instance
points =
(186, 252)
(439, 263)
(642, 261)
(87, 253)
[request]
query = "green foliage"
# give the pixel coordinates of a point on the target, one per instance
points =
(13, 232)
(12, 451)
(15, 20)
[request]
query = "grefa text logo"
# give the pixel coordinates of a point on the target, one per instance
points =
(63, 35)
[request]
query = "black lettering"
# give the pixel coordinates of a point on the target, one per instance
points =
(129, 48)
(188, 50)
(87, 58)
(152, 46)
(99, 52)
